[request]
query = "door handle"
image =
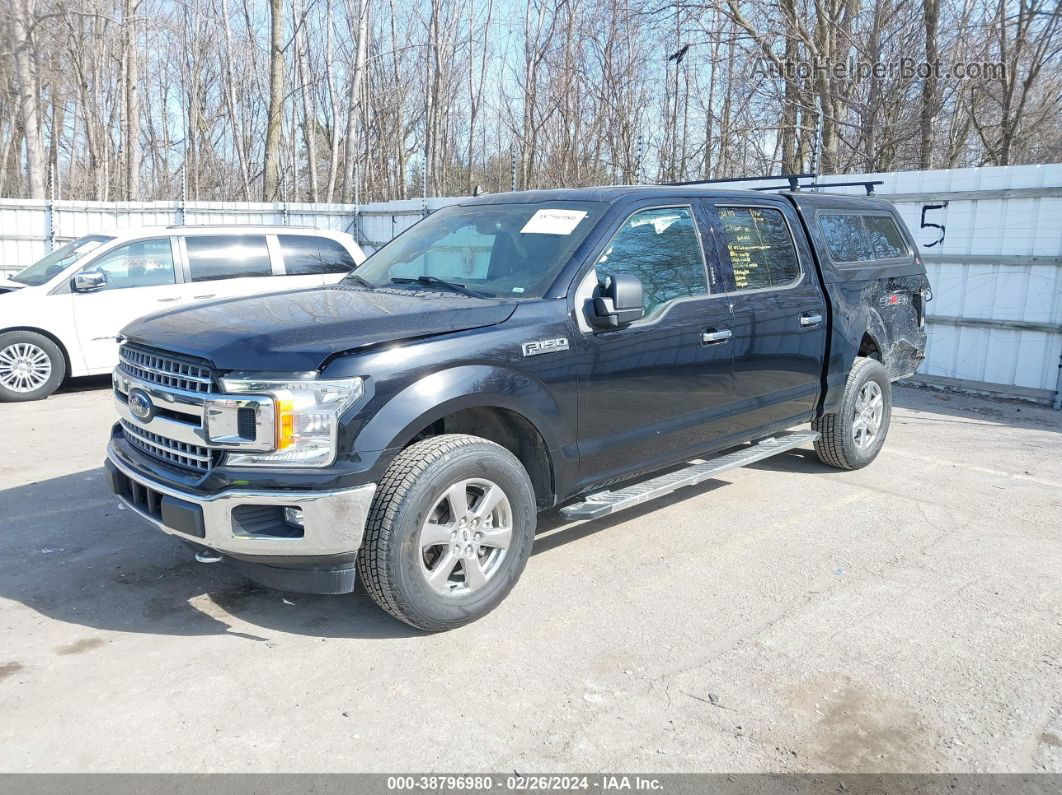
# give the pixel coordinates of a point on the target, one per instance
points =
(168, 300)
(715, 336)
(202, 297)
(809, 319)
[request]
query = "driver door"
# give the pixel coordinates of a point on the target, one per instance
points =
(658, 388)
(140, 278)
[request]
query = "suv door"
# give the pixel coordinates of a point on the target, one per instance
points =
(657, 389)
(779, 333)
(229, 265)
(140, 277)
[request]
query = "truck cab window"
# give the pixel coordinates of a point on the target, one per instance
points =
(761, 247)
(660, 246)
(142, 263)
(212, 257)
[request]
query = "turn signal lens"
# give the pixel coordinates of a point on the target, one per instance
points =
(285, 424)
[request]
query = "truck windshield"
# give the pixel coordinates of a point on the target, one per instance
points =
(43, 270)
(513, 250)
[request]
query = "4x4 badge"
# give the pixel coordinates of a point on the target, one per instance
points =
(545, 346)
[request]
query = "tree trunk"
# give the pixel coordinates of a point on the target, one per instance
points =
(333, 103)
(275, 115)
(233, 109)
(309, 118)
(350, 150)
(29, 107)
(930, 14)
(132, 103)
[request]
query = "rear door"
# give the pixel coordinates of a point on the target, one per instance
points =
(779, 331)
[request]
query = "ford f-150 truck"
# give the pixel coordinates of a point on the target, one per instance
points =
(507, 355)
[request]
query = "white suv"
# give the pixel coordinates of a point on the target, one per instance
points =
(60, 316)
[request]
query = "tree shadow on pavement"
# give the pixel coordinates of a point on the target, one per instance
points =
(69, 552)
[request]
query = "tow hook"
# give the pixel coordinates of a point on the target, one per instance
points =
(208, 555)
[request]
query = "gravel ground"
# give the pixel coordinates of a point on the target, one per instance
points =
(784, 617)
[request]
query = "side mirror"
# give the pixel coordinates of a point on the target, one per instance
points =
(618, 301)
(89, 282)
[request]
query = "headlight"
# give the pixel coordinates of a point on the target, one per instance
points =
(307, 416)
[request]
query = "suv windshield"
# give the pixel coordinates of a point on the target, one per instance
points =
(514, 250)
(46, 269)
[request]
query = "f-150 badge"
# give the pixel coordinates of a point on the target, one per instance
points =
(545, 346)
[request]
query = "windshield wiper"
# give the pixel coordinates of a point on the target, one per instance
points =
(437, 282)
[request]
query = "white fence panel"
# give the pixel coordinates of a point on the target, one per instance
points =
(991, 239)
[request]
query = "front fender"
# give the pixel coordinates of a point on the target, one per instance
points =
(444, 392)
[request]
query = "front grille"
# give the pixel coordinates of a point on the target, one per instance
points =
(159, 368)
(191, 456)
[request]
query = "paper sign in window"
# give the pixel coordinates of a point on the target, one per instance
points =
(553, 222)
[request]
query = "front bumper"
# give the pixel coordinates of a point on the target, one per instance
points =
(247, 526)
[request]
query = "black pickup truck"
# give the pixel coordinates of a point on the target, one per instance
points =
(507, 355)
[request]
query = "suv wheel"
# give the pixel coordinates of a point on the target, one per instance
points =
(31, 366)
(853, 437)
(449, 532)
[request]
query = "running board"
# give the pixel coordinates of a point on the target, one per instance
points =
(603, 503)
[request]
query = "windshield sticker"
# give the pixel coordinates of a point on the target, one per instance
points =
(553, 222)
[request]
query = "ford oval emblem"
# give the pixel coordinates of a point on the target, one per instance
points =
(140, 405)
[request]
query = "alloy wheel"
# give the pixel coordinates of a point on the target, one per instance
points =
(24, 367)
(466, 536)
(867, 415)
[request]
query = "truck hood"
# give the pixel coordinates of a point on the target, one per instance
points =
(7, 285)
(297, 331)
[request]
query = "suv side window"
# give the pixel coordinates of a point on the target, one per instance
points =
(661, 247)
(308, 255)
(212, 257)
(142, 263)
(762, 252)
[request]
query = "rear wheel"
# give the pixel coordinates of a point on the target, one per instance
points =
(853, 436)
(31, 366)
(449, 532)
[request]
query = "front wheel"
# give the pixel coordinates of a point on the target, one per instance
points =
(853, 436)
(449, 532)
(31, 366)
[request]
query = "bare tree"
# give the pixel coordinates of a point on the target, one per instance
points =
(332, 99)
(22, 16)
(275, 120)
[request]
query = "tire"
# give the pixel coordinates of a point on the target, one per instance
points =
(852, 438)
(31, 366)
(413, 557)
